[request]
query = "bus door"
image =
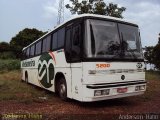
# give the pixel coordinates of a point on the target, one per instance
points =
(73, 56)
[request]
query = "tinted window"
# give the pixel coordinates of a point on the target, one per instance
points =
(68, 45)
(103, 39)
(46, 44)
(24, 54)
(32, 51)
(131, 43)
(38, 47)
(61, 35)
(54, 41)
(76, 39)
(27, 53)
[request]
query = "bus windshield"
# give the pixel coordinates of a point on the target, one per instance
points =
(111, 40)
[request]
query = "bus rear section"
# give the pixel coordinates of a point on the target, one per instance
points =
(108, 80)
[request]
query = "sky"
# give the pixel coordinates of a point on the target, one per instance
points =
(15, 15)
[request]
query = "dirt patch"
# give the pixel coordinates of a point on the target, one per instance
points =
(59, 109)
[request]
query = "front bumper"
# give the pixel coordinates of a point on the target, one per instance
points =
(89, 90)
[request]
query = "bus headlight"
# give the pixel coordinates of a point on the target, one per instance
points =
(97, 93)
(140, 87)
(105, 92)
(101, 92)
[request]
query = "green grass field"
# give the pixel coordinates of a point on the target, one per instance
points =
(12, 88)
(152, 75)
(10, 64)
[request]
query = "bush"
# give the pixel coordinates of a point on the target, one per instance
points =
(7, 65)
(7, 55)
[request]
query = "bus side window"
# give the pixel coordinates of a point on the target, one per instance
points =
(61, 35)
(68, 45)
(46, 44)
(32, 51)
(38, 47)
(23, 55)
(54, 41)
(76, 40)
(27, 53)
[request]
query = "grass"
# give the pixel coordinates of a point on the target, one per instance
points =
(9, 64)
(152, 75)
(153, 85)
(12, 88)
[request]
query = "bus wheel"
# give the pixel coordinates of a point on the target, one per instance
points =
(62, 89)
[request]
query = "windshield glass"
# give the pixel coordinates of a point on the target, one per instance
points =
(111, 40)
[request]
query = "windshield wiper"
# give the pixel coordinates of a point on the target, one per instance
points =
(124, 47)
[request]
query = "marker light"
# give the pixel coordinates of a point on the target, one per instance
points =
(92, 71)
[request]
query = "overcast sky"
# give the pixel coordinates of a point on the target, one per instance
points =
(15, 15)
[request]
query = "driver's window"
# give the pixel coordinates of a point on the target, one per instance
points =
(76, 42)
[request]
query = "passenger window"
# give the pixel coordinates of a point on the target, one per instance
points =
(32, 51)
(27, 53)
(46, 44)
(61, 35)
(54, 41)
(76, 42)
(68, 45)
(23, 55)
(38, 47)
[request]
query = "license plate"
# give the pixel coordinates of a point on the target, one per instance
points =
(122, 90)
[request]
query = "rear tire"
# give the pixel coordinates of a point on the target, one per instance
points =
(62, 89)
(26, 77)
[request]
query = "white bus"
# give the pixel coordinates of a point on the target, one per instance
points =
(88, 58)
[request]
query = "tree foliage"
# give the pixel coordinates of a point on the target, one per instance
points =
(152, 54)
(148, 54)
(159, 39)
(24, 38)
(156, 56)
(4, 46)
(95, 7)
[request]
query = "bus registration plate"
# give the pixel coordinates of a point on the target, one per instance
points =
(122, 90)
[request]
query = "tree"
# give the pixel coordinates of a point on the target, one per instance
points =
(95, 7)
(5, 51)
(4, 46)
(24, 38)
(156, 56)
(159, 39)
(114, 11)
(148, 54)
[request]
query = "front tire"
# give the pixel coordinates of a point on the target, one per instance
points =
(62, 89)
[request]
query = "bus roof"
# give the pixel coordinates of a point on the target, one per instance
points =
(84, 16)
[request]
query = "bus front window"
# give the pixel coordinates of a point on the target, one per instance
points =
(131, 45)
(104, 40)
